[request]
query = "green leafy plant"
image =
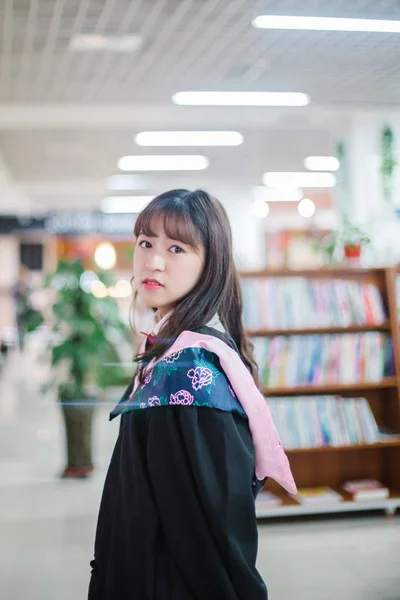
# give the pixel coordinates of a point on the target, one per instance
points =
(347, 235)
(87, 332)
(388, 163)
(351, 235)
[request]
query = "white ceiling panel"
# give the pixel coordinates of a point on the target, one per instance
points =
(67, 116)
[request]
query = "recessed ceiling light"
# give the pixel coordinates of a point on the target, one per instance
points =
(185, 162)
(306, 208)
(241, 98)
(105, 256)
(93, 42)
(260, 209)
(326, 24)
(125, 204)
(189, 138)
(127, 182)
(321, 163)
(266, 194)
(302, 180)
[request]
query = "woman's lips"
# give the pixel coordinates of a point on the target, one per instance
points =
(152, 284)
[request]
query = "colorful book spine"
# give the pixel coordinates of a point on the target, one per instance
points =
(298, 302)
(315, 421)
(317, 359)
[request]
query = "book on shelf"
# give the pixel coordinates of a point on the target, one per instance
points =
(266, 499)
(317, 495)
(323, 359)
(362, 490)
(299, 302)
(316, 421)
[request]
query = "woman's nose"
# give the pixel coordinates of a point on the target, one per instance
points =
(156, 263)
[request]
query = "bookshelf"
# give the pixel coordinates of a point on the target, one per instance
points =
(331, 465)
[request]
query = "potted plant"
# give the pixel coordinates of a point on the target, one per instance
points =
(349, 238)
(352, 239)
(87, 333)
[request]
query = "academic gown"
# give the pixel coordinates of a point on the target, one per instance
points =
(177, 517)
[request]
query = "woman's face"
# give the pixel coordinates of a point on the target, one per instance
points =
(165, 270)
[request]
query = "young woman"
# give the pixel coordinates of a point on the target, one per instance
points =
(196, 443)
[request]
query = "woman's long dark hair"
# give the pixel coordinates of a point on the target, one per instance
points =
(196, 218)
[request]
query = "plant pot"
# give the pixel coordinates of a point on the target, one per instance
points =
(78, 420)
(353, 252)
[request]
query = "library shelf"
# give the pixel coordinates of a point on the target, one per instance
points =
(331, 388)
(392, 443)
(290, 508)
(385, 326)
(331, 465)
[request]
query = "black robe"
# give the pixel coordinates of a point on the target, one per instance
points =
(177, 517)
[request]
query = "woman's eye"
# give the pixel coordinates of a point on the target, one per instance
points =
(144, 244)
(177, 249)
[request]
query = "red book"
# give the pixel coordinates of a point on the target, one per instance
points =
(366, 489)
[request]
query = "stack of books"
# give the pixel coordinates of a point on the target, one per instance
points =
(317, 495)
(298, 302)
(266, 499)
(315, 421)
(364, 490)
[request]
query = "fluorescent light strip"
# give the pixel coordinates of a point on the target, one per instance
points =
(185, 162)
(125, 204)
(302, 180)
(189, 138)
(241, 98)
(326, 24)
(321, 163)
(94, 42)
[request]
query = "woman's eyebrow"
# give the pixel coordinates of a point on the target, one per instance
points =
(151, 235)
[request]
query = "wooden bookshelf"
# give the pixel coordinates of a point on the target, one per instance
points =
(385, 326)
(353, 447)
(331, 388)
(332, 465)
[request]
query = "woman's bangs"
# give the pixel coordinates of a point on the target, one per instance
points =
(178, 224)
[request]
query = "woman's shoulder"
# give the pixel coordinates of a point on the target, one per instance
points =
(216, 333)
(192, 376)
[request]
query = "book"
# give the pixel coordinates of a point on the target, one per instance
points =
(317, 495)
(299, 302)
(362, 490)
(266, 499)
(324, 359)
(315, 421)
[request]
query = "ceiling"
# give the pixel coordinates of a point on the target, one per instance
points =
(66, 117)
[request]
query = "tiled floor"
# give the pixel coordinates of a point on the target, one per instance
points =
(47, 525)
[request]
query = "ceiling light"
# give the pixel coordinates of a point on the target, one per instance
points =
(306, 208)
(125, 204)
(260, 209)
(127, 182)
(241, 98)
(189, 138)
(321, 163)
(105, 258)
(94, 42)
(261, 192)
(185, 162)
(326, 24)
(301, 180)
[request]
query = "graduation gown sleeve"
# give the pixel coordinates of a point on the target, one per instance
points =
(201, 466)
(177, 517)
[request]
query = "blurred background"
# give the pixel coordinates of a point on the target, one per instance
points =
(288, 112)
